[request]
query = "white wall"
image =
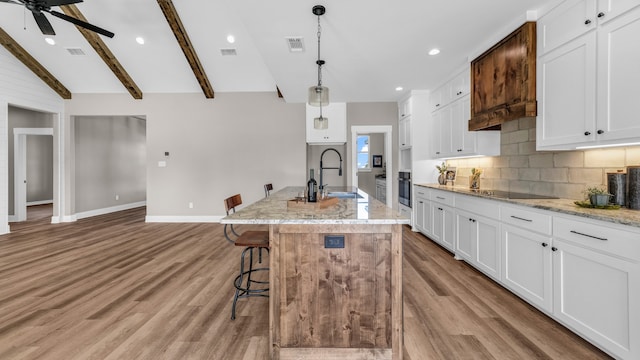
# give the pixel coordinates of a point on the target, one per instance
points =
(218, 147)
(20, 87)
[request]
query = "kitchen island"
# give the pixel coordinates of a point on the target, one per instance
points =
(335, 276)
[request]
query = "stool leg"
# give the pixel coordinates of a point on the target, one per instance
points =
(250, 269)
(238, 285)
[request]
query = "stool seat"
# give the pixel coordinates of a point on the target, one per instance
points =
(257, 239)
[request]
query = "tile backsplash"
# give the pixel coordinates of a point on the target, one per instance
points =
(520, 168)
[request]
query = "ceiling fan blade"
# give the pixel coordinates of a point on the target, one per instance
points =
(81, 23)
(43, 23)
(61, 2)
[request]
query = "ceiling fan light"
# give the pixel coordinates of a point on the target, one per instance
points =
(318, 96)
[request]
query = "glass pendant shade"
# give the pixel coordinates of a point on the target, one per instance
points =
(318, 96)
(321, 123)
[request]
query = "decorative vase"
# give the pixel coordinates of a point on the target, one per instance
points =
(474, 183)
(442, 180)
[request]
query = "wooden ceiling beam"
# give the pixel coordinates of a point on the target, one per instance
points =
(103, 51)
(181, 35)
(21, 54)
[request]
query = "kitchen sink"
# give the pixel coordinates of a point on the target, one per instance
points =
(344, 195)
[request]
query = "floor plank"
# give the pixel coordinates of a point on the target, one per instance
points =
(115, 287)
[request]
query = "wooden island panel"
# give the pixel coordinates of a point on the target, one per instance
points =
(342, 303)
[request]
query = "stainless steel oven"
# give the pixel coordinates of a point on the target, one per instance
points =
(404, 188)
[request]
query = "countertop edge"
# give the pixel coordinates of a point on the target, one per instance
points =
(563, 206)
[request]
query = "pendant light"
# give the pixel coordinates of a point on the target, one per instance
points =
(318, 94)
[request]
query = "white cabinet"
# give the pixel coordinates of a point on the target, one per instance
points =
(478, 237)
(444, 226)
(423, 220)
(526, 255)
(404, 132)
(332, 130)
(587, 74)
(404, 108)
(596, 271)
(404, 211)
(450, 136)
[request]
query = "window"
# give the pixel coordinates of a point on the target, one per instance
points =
(363, 156)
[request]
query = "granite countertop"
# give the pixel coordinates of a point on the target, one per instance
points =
(566, 206)
(274, 210)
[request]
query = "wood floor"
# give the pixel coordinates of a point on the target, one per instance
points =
(114, 287)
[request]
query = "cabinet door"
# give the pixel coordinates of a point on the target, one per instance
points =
(567, 94)
(443, 225)
(460, 85)
(566, 22)
(404, 108)
(526, 265)
(463, 141)
(421, 210)
(465, 236)
(618, 78)
(487, 238)
(444, 131)
(610, 9)
(334, 130)
(597, 295)
(404, 132)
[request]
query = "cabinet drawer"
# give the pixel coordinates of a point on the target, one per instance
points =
(599, 235)
(443, 197)
(487, 208)
(420, 191)
(526, 219)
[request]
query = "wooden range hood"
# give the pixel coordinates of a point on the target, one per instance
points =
(503, 81)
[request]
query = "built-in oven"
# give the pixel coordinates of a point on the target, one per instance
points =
(404, 188)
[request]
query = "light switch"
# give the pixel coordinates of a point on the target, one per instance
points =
(162, 164)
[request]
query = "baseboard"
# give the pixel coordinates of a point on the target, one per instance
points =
(40, 202)
(12, 218)
(67, 218)
(183, 219)
(90, 213)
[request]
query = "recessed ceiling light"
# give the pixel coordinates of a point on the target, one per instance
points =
(140, 40)
(231, 39)
(399, 88)
(50, 41)
(434, 51)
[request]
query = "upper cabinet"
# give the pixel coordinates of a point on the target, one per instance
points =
(332, 130)
(503, 84)
(588, 74)
(412, 124)
(449, 136)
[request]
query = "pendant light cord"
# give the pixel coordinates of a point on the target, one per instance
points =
(319, 62)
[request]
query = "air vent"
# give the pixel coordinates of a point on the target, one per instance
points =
(228, 52)
(75, 51)
(296, 44)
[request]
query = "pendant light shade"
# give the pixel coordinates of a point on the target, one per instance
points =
(318, 94)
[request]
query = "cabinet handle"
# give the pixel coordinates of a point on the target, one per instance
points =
(586, 133)
(459, 93)
(472, 220)
(545, 244)
(420, 202)
(600, 132)
(438, 197)
(437, 105)
(523, 219)
(459, 150)
(587, 235)
(440, 209)
(600, 14)
(587, 22)
(554, 248)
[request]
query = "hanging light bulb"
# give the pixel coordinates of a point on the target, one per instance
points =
(318, 94)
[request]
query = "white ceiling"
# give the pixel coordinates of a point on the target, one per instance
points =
(370, 47)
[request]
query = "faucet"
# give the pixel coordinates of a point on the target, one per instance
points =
(329, 168)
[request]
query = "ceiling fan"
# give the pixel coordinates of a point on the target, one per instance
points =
(37, 7)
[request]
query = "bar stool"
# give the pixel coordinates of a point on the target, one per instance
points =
(267, 189)
(250, 240)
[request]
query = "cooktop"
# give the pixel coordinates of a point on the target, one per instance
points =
(512, 195)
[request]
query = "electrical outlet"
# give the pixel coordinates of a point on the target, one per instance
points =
(190, 205)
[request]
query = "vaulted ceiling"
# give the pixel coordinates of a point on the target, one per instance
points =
(371, 47)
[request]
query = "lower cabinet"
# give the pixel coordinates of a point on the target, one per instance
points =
(423, 215)
(443, 226)
(526, 266)
(478, 242)
(596, 277)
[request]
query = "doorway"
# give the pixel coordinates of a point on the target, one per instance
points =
(386, 131)
(33, 173)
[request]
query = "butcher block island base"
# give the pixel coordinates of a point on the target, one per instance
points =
(336, 302)
(335, 278)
